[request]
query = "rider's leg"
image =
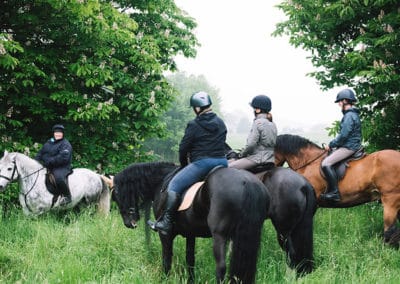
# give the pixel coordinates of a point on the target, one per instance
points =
(242, 163)
(164, 225)
(62, 186)
(332, 192)
(190, 174)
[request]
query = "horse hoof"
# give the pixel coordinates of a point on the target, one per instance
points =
(395, 239)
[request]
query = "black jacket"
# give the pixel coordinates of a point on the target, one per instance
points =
(55, 154)
(204, 138)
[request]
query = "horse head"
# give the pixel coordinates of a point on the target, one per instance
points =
(137, 185)
(126, 197)
(8, 170)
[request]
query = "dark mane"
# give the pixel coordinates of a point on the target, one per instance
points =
(142, 177)
(288, 144)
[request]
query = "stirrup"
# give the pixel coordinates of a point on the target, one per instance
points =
(329, 196)
(152, 225)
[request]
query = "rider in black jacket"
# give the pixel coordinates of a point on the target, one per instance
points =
(201, 149)
(56, 156)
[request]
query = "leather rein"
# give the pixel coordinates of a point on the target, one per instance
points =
(311, 161)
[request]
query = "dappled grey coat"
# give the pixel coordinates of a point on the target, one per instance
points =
(261, 140)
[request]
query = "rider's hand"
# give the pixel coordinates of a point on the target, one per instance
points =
(327, 148)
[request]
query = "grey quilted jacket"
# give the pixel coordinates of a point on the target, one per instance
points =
(261, 140)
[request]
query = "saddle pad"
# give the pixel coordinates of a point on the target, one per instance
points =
(189, 196)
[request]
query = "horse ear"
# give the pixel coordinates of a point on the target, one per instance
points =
(12, 157)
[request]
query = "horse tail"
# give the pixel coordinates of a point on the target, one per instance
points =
(247, 233)
(104, 203)
(301, 237)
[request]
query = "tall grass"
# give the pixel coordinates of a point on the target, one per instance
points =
(85, 248)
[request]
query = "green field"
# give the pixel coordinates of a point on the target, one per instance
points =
(85, 248)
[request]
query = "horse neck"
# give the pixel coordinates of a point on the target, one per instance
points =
(305, 157)
(27, 168)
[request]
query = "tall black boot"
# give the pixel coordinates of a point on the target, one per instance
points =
(66, 198)
(164, 225)
(332, 191)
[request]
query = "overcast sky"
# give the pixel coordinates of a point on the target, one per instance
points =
(239, 57)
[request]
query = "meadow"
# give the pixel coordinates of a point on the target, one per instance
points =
(86, 248)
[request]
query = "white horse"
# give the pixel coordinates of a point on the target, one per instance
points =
(85, 185)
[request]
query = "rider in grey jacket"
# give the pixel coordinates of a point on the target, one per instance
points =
(261, 140)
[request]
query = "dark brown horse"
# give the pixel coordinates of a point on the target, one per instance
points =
(232, 205)
(374, 177)
(229, 207)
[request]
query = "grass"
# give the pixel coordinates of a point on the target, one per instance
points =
(85, 248)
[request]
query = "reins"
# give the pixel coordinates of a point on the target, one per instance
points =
(309, 162)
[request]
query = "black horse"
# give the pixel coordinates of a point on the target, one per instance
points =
(292, 209)
(232, 205)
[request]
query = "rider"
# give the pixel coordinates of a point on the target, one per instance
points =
(56, 156)
(261, 140)
(200, 150)
(346, 143)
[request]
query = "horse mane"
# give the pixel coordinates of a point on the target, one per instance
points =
(143, 177)
(289, 144)
(28, 162)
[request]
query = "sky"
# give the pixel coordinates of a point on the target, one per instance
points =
(239, 57)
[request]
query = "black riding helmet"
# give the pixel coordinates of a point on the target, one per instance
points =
(58, 128)
(262, 102)
(200, 99)
(346, 94)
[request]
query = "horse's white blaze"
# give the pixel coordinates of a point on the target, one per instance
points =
(85, 185)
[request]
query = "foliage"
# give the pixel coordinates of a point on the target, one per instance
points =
(95, 66)
(179, 114)
(354, 43)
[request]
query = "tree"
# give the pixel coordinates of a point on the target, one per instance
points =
(95, 66)
(166, 146)
(354, 43)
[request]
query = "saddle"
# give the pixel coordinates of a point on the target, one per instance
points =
(340, 167)
(51, 185)
(190, 193)
(262, 168)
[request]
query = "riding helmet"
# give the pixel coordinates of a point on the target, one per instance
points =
(58, 128)
(346, 94)
(262, 102)
(200, 99)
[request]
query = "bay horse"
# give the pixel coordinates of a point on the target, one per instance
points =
(373, 177)
(35, 199)
(232, 205)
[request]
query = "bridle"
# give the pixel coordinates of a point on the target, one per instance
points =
(15, 170)
(12, 175)
(311, 161)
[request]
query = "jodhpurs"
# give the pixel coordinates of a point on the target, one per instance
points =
(336, 156)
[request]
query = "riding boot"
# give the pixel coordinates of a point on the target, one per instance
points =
(164, 224)
(66, 195)
(332, 192)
